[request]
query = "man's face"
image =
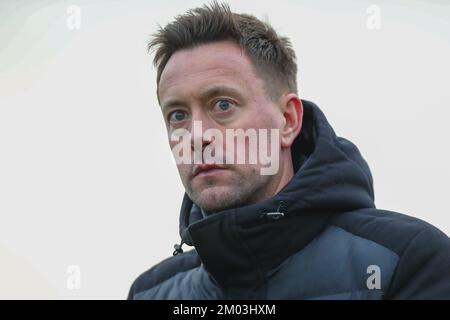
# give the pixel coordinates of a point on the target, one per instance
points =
(216, 84)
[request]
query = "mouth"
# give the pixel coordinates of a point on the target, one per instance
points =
(207, 169)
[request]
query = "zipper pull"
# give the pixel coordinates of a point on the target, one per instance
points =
(275, 215)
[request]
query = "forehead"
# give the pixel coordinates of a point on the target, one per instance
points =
(190, 70)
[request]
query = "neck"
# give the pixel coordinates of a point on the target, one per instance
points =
(286, 174)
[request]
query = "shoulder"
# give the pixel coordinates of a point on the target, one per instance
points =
(163, 271)
(393, 230)
(423, 267)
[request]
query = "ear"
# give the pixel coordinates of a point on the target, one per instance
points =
(292, 109)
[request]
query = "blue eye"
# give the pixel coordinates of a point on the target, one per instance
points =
(223, 105)
(177, 116)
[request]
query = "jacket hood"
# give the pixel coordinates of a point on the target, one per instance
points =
(240, 246)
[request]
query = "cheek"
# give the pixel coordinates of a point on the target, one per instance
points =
(184, 170)
(264, 116)
(269, 119)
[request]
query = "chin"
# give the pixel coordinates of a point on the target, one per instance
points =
(217, 198)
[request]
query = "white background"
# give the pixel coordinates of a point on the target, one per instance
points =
(86, 176)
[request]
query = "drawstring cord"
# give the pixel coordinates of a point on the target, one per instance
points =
(178, 248)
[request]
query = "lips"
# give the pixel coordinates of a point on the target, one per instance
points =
(204, 168)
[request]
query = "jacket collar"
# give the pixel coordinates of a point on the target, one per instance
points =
(240, 246)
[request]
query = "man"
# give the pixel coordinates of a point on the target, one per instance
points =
(307, 230)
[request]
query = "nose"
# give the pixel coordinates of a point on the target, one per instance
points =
(200, 123)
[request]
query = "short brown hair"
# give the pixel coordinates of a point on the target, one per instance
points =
(271, 54)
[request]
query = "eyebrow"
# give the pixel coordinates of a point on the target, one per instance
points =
(210, 92)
